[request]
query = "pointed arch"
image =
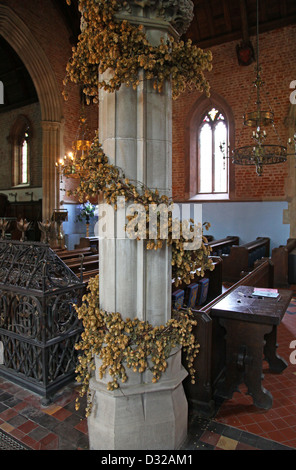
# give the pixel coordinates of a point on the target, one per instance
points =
(193, 121)
(21, 128)
(21, 39)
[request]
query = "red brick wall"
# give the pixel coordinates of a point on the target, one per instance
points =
(48, 27)
(234, 83)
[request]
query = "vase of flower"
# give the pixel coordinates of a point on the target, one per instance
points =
(86, 212)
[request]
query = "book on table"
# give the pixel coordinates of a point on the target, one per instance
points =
(265, 292)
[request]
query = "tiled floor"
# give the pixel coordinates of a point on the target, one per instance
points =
(56, 427)
(238, 425)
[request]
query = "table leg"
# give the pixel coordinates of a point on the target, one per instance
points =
(276, 363)
(244, 352)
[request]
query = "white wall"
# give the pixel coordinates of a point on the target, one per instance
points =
(247, 220)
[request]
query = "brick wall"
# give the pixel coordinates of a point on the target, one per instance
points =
(48, 27)
(234, 83)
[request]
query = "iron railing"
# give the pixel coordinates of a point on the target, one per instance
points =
(38, 322)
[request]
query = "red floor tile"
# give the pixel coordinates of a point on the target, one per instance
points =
(49, 442)
(61, 414)
(8, 414)
(82, 426)
(27, 427)
(28, 441)
(243, 446)
(210, 437)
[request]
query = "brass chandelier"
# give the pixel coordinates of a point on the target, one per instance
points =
(70, 165)
(259, 153)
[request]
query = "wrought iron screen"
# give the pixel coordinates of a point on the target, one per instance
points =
(38, 322)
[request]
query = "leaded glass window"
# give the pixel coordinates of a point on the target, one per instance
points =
(212, 164)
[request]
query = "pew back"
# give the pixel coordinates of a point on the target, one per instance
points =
(280, 259)
(242, 258)
(223, 245)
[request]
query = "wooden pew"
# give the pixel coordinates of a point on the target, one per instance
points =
(215, 279)
(84, 262)
(242, 258)
(223, 245)
(209, 362)
(88, 242)
(280, 259)
(87, 275)
(67, 254)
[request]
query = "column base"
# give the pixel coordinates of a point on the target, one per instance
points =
(140, 415)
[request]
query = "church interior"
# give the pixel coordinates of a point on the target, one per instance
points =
(249, 204)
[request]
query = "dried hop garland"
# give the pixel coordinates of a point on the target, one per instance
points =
(127, 344)
(106, 43)
(98, 176)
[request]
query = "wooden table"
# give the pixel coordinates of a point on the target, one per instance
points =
(251, 329)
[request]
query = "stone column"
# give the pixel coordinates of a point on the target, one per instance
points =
(51, 151)
(136, 136)
(136, 133)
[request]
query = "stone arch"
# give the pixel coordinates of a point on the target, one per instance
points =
(19, 36)
(192, 123)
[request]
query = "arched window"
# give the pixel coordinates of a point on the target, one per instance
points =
(20, 137)
(208, 176)
(212, 168)
(24, 159)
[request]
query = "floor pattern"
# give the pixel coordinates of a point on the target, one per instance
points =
(237, 425)
(55, 427)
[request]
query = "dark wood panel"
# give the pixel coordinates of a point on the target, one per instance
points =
(30, 210)
(215, 21)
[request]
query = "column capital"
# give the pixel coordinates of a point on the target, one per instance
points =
(50, 125)
(178, 13)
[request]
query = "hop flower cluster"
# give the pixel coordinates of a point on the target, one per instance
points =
(99, 176)
(127, 344)
(107, 43)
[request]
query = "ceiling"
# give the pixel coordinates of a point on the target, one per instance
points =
(19, 89)
(214, 22)
(219, 21)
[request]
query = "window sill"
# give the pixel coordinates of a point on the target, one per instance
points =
(210, 197)
(22, 185)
